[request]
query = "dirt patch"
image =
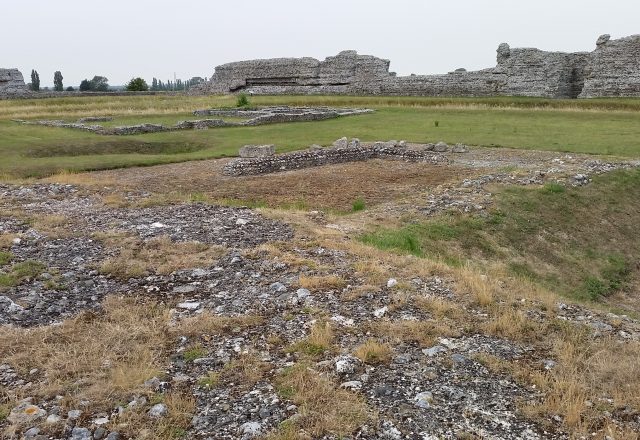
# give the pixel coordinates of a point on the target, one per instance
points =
(328, 187)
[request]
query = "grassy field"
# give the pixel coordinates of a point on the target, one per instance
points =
(596, 126)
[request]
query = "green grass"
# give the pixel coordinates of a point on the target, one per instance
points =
(609, 127)
(358, 205)
(20, 272)
(581, 242)
(191, 354)
(5, 258)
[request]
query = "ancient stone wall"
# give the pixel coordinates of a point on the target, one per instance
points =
(326, 156)
(11, 82)
(613, 69)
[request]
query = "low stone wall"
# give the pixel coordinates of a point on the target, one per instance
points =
(267, 115)
(328, 156)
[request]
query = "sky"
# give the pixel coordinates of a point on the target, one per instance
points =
(123, 39)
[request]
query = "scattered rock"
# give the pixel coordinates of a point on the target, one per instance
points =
(26, 414)
(441, 147)
(158, 410)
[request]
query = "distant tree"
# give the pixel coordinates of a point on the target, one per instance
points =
(35, 81)
(57, 82)
(99, 84)
(85, 85)
(154, 84)
(70, 89)
(137, 85)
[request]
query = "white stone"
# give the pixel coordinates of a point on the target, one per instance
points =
(392, 283)
(250, 429)
(158, 225)
(189, 305)
(158, 410)
(352, 385)
(53, 418)
(423, 400)
(241, 222)
(379, 313)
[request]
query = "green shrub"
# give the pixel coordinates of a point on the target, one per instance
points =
(358, 205)
(243, 100)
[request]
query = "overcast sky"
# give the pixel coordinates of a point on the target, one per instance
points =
(120, 39)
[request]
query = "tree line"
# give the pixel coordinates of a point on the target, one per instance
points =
(101, 84)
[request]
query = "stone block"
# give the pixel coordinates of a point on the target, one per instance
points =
(252, 151)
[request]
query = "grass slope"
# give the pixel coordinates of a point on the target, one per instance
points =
(580, 242)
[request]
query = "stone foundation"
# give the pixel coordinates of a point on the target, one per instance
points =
(327, 156)
(267, 115)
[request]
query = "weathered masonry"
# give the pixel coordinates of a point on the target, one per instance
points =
(11, 82)
(612, 69)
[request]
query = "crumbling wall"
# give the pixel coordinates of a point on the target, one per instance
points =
(613, 69)
(327, 156)
(11, 82)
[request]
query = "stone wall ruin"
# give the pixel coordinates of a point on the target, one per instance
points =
(11, 82)
(612, 69)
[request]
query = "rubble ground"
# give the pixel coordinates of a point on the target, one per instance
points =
(148, 303)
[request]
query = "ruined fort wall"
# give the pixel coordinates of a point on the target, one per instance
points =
(11, 82)
(613, 69)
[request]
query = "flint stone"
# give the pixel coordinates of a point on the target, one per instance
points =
(459, 148)
(441, 147)
(252, 151)
(80, 434)
(26, 414)
(343, 142)
(158, 410)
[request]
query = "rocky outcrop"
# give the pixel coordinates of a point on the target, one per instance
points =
(11, 82)
(613, 69)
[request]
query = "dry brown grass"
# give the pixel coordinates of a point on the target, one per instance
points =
(279, 252)
(94, 357)
(439, 308)
(374, 352)
(54, 226)
(115, 200)
(481, 288)
(207, 324)
(158, 255)
(324, 408)
(321, 282)
(137, 424)
(513, 324)
(423, 333)
(359, 291)
(318, 342)
(81, 179)
(6, 240)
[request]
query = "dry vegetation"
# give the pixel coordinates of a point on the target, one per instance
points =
(158, 255)
(323, 407)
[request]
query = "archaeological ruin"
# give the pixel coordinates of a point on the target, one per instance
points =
(11, 82)
(612, 69)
